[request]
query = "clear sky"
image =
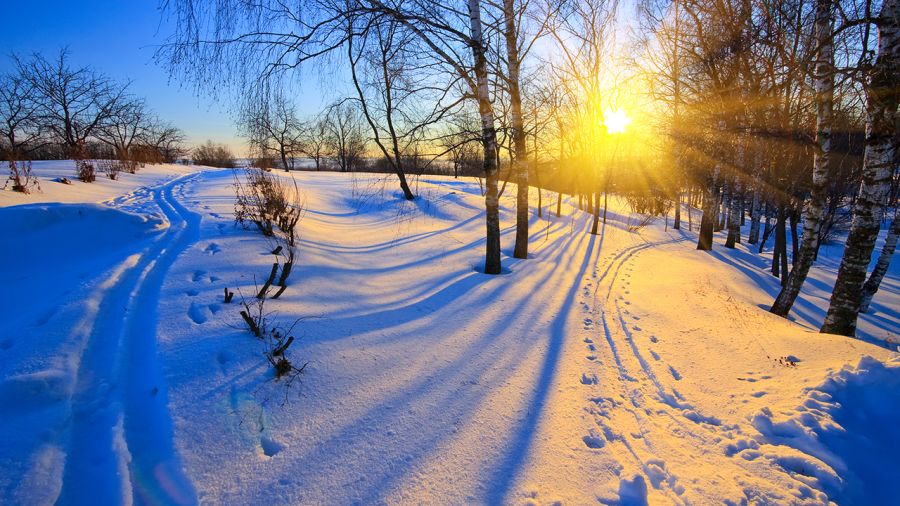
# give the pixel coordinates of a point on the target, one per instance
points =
(117, 37)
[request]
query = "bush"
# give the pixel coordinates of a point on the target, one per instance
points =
(213, 155)
(266, 201)
(21, 177)
(84, 170)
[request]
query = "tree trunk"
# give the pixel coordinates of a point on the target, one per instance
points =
(795, 240)
(488, 143)
(709, 218)
(878, 168)
(690, 221)
(881, 266)
(721, 210)
(595, 210)
(767, 229)
(734, 219)
(755, 209)
(776, 253)
(520, 160)
(676, 224)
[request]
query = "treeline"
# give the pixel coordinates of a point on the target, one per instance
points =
(338, 139)
(52, 110)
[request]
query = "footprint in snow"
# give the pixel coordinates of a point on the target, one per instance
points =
(653, 339)
(270, 447)
(197, 313)
(588, 380)
(593, 441)
(212, 249)
(198, 275)
(191, 293)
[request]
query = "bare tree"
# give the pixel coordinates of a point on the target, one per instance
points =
(19, 130)
(313, 141)
(271, 122)
(73, 103)
(347, 143)
(167, 140)
(878, 170)
(126, 126)
(824, 99)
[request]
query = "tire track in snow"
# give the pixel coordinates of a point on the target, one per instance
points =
(121, 446)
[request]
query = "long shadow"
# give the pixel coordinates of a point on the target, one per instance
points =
(447, 390)
(751, 265)
(507, 470)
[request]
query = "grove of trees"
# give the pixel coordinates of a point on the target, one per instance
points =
(52, 109)
(783, 113)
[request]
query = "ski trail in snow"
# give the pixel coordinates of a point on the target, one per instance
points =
(635, 406)
(121, 446)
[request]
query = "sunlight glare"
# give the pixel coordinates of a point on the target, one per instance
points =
(615, 121)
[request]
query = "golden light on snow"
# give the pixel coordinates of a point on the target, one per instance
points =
(615, 121)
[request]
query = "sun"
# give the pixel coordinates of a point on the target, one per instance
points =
(615, 121)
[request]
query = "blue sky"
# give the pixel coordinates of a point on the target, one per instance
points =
(117, 37)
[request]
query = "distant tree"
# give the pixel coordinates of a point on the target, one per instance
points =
(73, 104)
(213, 155)
(313, 141)
(167, 140)
(270, 122)
(127, 126)
(347, 143)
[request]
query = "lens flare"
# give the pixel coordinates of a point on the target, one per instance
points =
(615, 121)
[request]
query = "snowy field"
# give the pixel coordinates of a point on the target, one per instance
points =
(625, 368)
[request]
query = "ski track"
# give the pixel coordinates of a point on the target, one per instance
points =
(121, 445)
(633, 394)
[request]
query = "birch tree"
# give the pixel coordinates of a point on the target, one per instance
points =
(883, 96)
(824, 100)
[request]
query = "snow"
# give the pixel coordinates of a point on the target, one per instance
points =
(49, 172)
(626, 368)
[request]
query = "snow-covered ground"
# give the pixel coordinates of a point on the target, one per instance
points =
(623, 368)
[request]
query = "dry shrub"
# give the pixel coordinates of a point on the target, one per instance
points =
(21, 177)
(84, 170)
(110, 168)
(213, 155)
(267, 201)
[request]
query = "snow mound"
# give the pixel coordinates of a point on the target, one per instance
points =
(843, 439)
